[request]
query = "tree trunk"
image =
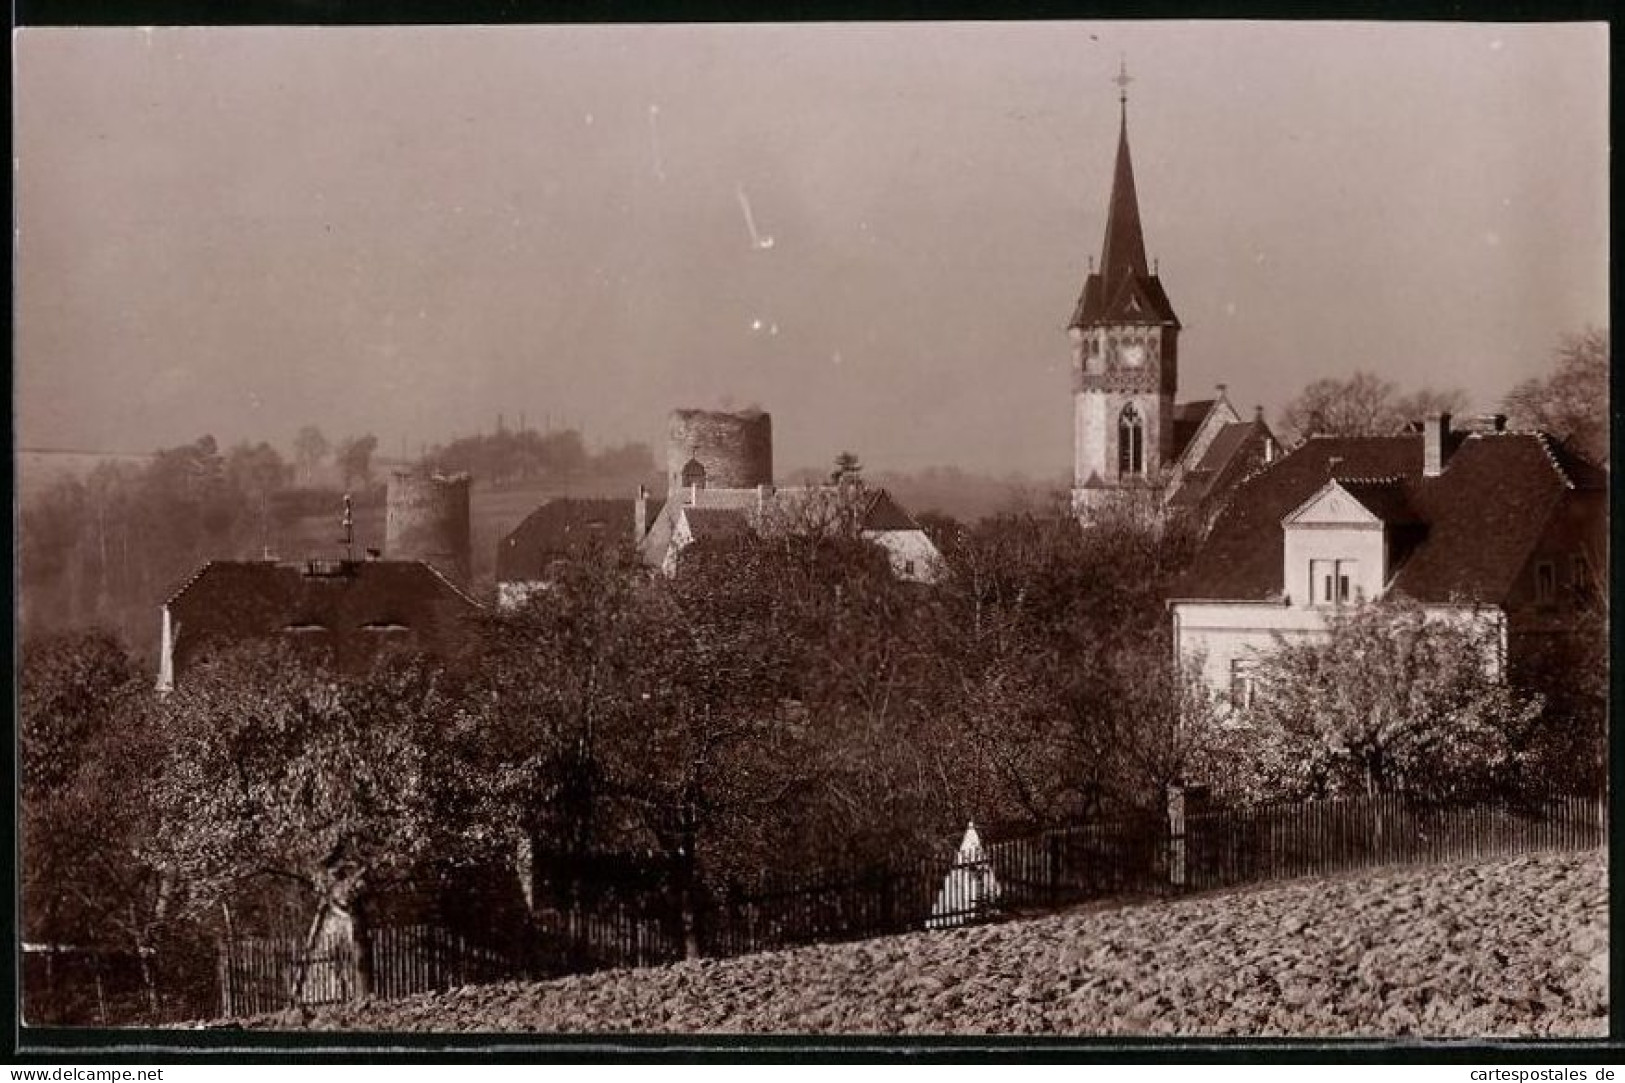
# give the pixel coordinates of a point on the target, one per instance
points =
(361, 948)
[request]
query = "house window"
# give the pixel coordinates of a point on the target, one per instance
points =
(1243, 685)
(1581, 572)
(1130, 443)
(1331, 582)
(1545, 581)
(908, 567)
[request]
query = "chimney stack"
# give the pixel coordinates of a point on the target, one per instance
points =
(1435, 440)
(640, 514)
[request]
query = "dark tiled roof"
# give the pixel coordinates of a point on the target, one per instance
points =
(884, 513)
(560, 528)
(1383, 497)
(1478, 520)
(1236, 451)
(1188, 418)
(352, 609)
(711, 523)
(1138, 298)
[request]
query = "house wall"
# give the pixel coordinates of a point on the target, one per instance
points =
(511, 594)
(1220, 633)
(906, 547)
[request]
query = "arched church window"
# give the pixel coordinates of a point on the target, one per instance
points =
(1130, 443)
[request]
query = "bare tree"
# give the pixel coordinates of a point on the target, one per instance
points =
(310, 449)
(1572, 402)
(1362, 405)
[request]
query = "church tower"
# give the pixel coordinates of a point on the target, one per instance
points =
(1125, 354)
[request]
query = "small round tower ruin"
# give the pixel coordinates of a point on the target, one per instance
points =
(426, 518)
(717, 449)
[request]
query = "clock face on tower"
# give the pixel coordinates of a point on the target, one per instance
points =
(1134, 355)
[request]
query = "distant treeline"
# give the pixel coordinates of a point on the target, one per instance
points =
(105, 547)
(510, 456)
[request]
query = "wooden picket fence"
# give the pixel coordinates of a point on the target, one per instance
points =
(1028, 872)
(267, 974)
(1226, 846)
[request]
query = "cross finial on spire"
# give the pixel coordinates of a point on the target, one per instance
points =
(1123, 80)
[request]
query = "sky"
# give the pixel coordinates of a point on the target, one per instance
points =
(877, 232)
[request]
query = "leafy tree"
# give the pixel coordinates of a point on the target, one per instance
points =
(310, 450)
(1362, 405)
(715, 748)
(1572, 402)
(85, 752)
(335, 784)
(355, 460)
(1389, 701)
(551, 678)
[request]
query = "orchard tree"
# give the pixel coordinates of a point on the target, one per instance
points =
(335, 784)
(1391, 700)
(715, 747)
(1572, 402)
(551, 679)
(86, 752)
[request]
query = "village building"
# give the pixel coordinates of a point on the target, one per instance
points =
(720, 485)
(1504, 528)
(409, 597)
(1131, 438)
(347, 613)
(561, 530)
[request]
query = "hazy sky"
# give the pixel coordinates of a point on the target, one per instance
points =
(409, 230)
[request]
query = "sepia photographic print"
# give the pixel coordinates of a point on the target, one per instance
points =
(830, 531)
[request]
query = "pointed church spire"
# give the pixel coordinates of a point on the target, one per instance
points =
(1123, 254)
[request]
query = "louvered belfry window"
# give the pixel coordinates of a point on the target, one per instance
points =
(1130, 443)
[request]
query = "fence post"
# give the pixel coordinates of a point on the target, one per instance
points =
(1176, 834)
(1052, 867)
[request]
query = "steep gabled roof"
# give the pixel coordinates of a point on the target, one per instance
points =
(1236, 451)
(1188, 418)
(1384, 498)
(350, 608)
(560, 527)
(883, 513)
(706, 524)
(1472, 527)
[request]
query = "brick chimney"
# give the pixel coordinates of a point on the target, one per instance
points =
(1435, 444)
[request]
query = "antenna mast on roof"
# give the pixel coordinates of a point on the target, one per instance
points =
(349, 530)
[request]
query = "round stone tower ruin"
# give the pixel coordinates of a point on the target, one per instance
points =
(719, 450)
(426, 518)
